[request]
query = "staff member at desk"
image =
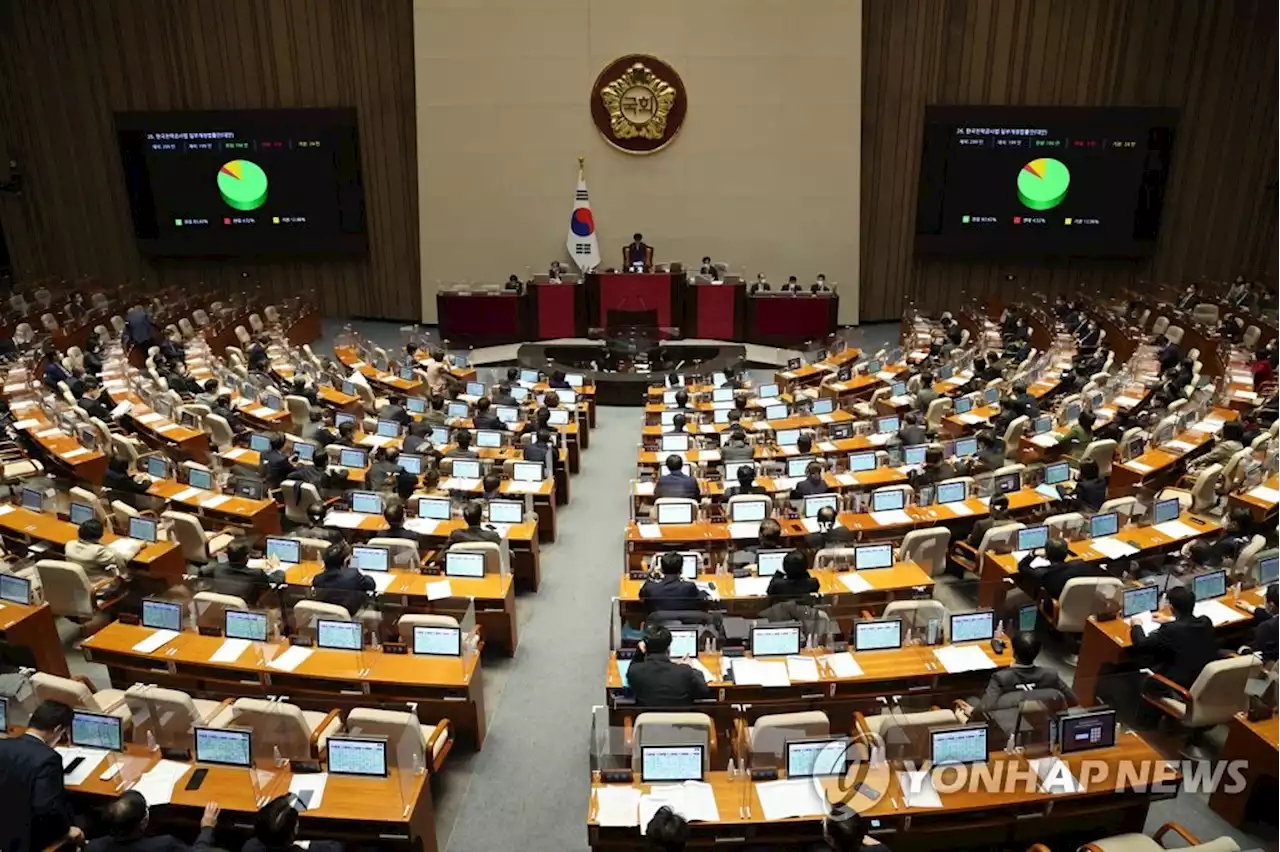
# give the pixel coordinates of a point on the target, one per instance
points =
(235, 577)
(341, 584)
(736, 448)
(126, 820)
(316, 528)
(37, 809)
(485, 418)
(1079, 436)
(462, 446)
(276, 830)
(638, 252)
(1091, 487)
(1230, 443)
(746, 483)
(1181, 648)
(223, 409)
(118, 478)
(794, 580)
(925, 396)
(812, 484)
(760, 285)
(679, 425)
(829, 534)
(820, 285)
(657, 681)
(1023, 674)
(677, 483)
(843, 830)
(1266, 635)
(276, 466)
(98, 561)
(1053, 577)
(472, 513)
(913, 431)
(541, 450)
(671, 592)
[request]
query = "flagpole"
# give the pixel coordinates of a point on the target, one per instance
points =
(581, 160)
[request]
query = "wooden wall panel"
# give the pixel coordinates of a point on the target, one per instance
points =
(67, 65)
(1213, 61)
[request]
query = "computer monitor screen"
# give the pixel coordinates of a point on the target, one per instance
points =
(463, 564)
(767, 391)
(872, 556)
(258, 442)
(437, 640)
(963, 405)
(143, 529)
(224, 746)
(417, 405)
(519, 394)
(877, 635)
(364, 756)
(466, 469)
(769, 562)
(1209, 585)
(456, 409)
(411, 463)
(990, 396)
(1007, 483)
(873, 367)
(15, 589)
(1043, 424)
(528, 472)
(675, 443)
(951, 492)
(1027, 618)
(798, 465)
(434, 508)
(888, 425)
(840, 431)
(161, 615)
(684, 642)
(241, 624)
(731, 469)
(888, 500)
(1057, 473)
(559, 417)
(828, 757)
(722, 395)
(1140, 599)
(666, 418)
(775, 640)
(1072, 413)
(529, 377)
(787, 437)
(506, 511)
(965, 744)
(366, 502)
(1166, 510)
(81, 512)
(350, 457)
(475, 388)
(1031, 538)
(816, 502)
(825, 405)
(272, 401)
(689, 562)
(859, 462)
(340, 418)
(408, 374)
(1079, 731)
(349, 388)
(507, 413)
(966, 446)
(675, 513)
(369, 557)
(575, 380)
(157, 466)
(1104, 524)
(914, 454)
(1268, 569)
(388, 429)
(97, 730)
(287, 550)
(488, 438)
(4, 716)
(775, 412)
(746, 511)
(973, 626)
(200, 478)
(670, 763)
(339, 635)
(439, 435)
(946, 372)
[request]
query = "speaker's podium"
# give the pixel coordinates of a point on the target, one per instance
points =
(559, 309)
(618, 300)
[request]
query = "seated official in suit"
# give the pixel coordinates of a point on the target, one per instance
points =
(708, 268)
(94, 404)
(315, 526)
(276, 466)
(126, 819)
(37, 811)
(1079, 436)
(913, 430)
(1024, 403)
(934, 470)
(223, 409)
(98, 561)
(276, 830)
(1091, 487)
(792, 285)
(236, 577)
(259, 360)
(746, 483)
(760, 285)
(671, 592)
(341, 584)
(1023, 674)
(462, 446)
(541, 450)
(118, 478)
(435, 413)
(926, 395)
(393, 514)
(820, 285)
(794, 580)
(829, 533)
(1230, 442)
(1266, 631)
(558, 381)
(658, 681)
(1053, 577)
(472, 513)
(637, 253)
(491, 487)
(679, 425)
(513, 283)
(395, 410)
(812, 484)
(382, 473)
(676, 483)
(503, 396)
(308, 392)
(484, 417)
(1182, 647)
(769, 537)
(736, 447)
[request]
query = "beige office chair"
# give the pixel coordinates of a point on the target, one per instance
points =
(1160, 325)
(307, 612)
(1125, 507)
(71, 595)
(765, 741)
(1233, 471)
(497, 556)
(1079, 600)
(298, 498)
(272, 313)
(242, 335)
(917, 614)
(404, 552)
(746, 500)
(127, 447)
(897, 729)
(78, 694)
(210, 607)
(406, 736)
(1248, 558)
(1175, 333)
(219, 432)
(868, 408)
(1217, 694)
(299, 411)
(1205, 313)
(298, 734)
(936, 411)
(927, 548)
(658, 728)
(676, 501)
(1013, 434)
(1203, 493)
(200, 316)
(1143, 843)
(168, 715)
(1250, 337)
(255, 322)
(907, 493)
(1101, 451)
(410, 620)
(313, 549)
(197, 545)
(186, 328)
(1066, 525)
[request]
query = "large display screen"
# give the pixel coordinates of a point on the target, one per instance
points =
(1043, 180)
(248, 182)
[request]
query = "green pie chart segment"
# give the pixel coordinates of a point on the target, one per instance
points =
(243, 185)
(1043, 183)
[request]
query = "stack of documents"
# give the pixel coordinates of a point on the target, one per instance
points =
(693, 800)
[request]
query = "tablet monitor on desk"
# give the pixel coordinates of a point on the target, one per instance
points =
(362, 756)
(1140, 599)
(840, 431)
(529, 377)
(242, 624)
(888, 500)
(434, 508)
(143, 529)
(963, 405)
(775, 412)
(719, 415)
(528, 471)
(475, 389)
(366, 502)
(349, 388)
(817, 502)
(731, 469)
(97, 730)
(769, 562)
(748, 511)
(388, 429)
(966, 447)
(674, 513)
(1007, 483)
(1081, 730)
(671, 763)
(161, 615)
(461, 563)
(558, 416)
(339, 635)
(823, 405)
(787, 437)
(272, 401)
(456, 410)
(15, 589)
(258, 442)
(860, 462)
(881, 635)
(507, 413)
(1028, 617)
(1030, 538)
(914, 454)
(224, 746)
(371, 557)
(722, 395)
(1210, 585)
(466, 469)
(977, 626)
(990, 396)
(157, 466)
(825, 757)
(519, 394)
(1104, 524)
(1268, 568)
(437, 640)
(488, 438)
(870, 556)
(1166, 510)
(1057, 473)
(888, 425)
(4, 716)
(873, 367)
(951, 492)
(775, 640)
(666, 418)
(689, 563)
(684, 642)
(411, 463)
(961, 744)
(286, 550)
(352, 457)
(416, 405)
(798, 466)
(767, 391)
(506, 511)
(439, 435)
(200, 478)
(81, 512)
(341, 418)
(675, 443)
(1042, 424)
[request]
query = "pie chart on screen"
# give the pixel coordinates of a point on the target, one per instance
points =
(242, 184)
(1042, 183)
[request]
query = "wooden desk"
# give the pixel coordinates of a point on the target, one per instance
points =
(160, 431)
(32, 627)
(443, 688)
(352, 810)
(494, 597)
(970, 819)
(800, 421)
(812, 374)
(260, 516)
(1256, 743)
(163, 559)
(350, 359)
(1260, 505)
(1158, 463)
(642, 491)
(60, 449)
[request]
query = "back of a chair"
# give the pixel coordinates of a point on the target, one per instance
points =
(170, 714)
(219, 431)
(242, 334)
(768, 737)
(402, 730)
(927, 548)
(497, 558)
(410, 620)
(70, 692)
(1251, 336)
(1204, 491)
(1160, 326)
(83, 495)
(66, 588)
(748, 499)
(1218, 693)
(403, 551)
(660, 728)
(190, 535)
(906, 735)
(1065, 525)
(1079, 600)
(675, 501)
(937, 410)
(299, 410)
(1013, 434)
(210, 607)
(1103, 452)
(1000, 537)
(917, 614)
(275, 724)
(307, 612)
(1233, 470)
(298, 497)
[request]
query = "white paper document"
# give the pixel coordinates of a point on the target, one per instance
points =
(825, 418)
(1218, 612)
(75, 453)
(697, 665)
(235, 454)
(963, 658)
(438, 590)
(649, 530)
(793, 797)
(744, 529)
(1178, 447)
(457, 483)
(309, 788)
(215, 501)
(842, 665)
(513, 487)
(381, 579)
(6, 508)
(1050, 491)
(751, 587)
(92, 757)
(376, 441)
(149, 417)
(187, 494)
(1048, 439)
(157, 783)
(827, 447)
(1177, 529)
(290, 659)
(26, 424)
(709, 455)
(127, 547)
(917, 789)
(693, 800)
(1138, 466)
(344, 520)
(1055, 776)
(617, 806)
(846, 479)
(229, 651)
(802, 669)
(971, 418)
(422, 526)
(1262, 492)
(855, 582)
(1113, 548)
(50, 433)
(878, 440)
(753, 672)
(959, 508)
(1126, 401)
(886, 519)
(810, 524)
(155, 641)
(643, 489)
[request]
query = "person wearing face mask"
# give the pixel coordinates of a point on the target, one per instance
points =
(820, 285)
(760, 285)
(36, 806)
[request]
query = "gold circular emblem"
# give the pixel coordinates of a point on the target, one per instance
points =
(638, 104)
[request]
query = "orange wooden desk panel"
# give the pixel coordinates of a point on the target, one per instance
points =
(349, 358)
(63, 449)
(162, 559)
(261, 516)
(161, 431)
(799, 421)
(1259, 507)
(32, 627)
(1157, 463)
(442, 687)
(1258, 744)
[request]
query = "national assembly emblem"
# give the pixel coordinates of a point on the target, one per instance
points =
(638, 104)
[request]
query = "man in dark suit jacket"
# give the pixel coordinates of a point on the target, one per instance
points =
(926, 395)
(913, 431)
(656, 680)
(307, 392)
(126, 820)
(276, 830)
(829, 534)
(276, 466)
(638, 253)
(395, 410)
(91, 401)
(341, 584)
(235, 577)
(484, 417)
(36, 809)
(812, 484)
(1266, 633)
(1052, 578)
(671, 592)
(736, 447)
(259, 360)
(472, 514)
(140, 328)
(224, 410)
(1024, 403)
(1181, 648)
(746, 483)
(677, 483)
(541, 450)
(462, 446)
(1168, 355)
(316, 528)
(503, 396)
(1023, 674)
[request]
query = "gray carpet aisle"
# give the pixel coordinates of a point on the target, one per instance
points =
(529, 786)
